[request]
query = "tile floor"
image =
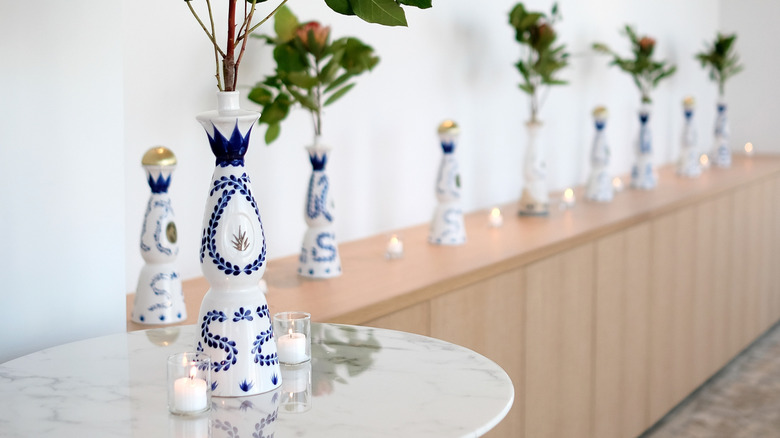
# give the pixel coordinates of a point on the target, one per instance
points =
(741, 401)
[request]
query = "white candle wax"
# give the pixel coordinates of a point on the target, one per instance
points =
(189, 395)
(496, 219)
(568, 198)
(617, 184)
(395, 248)
(292, 348)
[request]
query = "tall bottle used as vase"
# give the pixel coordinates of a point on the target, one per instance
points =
(722, 152)
(158, 296)
(535, 198)
(235, 324)
(319, 252)
(642, 173)
(447, 226)
(599, 188)
(689, 164)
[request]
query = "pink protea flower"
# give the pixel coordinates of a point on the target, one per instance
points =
(646, 45)
(319, 34)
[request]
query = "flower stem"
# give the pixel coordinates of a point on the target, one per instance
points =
(229, 61)
(244, 25)
(216, 46)
(244, 35)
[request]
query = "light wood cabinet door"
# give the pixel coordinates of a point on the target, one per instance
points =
(413, 319)
(621, 342)
(559, 344)
(488, 317)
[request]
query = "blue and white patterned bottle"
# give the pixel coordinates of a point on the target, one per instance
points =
(722, 153)
(158, 296)
(319, 252)
(689, 165)
(447, 226)
(235, 324)
(642, 173)
(599, 187)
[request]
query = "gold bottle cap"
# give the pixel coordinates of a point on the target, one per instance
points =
(600, 112)
(448, 127)
(689, 102)
(159, 156)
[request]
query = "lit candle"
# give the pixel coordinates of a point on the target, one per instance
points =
(705, 161)
(617, 184)
(190, 393)
(749, 149)
(395, 248)
(292, 348)
(496, 220)
(568, 198)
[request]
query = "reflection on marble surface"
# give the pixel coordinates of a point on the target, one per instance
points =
(296, 388)
(365, 382)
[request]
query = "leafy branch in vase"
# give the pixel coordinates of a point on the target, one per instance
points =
(240, 24)
(722, 59)
(541, 59)
(310, 70)
(645, 72)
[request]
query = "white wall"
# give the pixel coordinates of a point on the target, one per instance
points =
(61, 172)
(753, 95)
(454, 61)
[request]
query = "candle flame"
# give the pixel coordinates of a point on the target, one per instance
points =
(749, 148)
(568, 194)
(394, 239)
(704, 160)
(193, 372)
(617, 183)
(291, 332)
(495, 212)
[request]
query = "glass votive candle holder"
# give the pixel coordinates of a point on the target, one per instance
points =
(189, 383)
(296, 388)
(293, 337)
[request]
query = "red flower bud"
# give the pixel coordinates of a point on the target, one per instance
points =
(319, 35)
(646, 45)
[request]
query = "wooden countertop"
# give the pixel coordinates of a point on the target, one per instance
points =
(372, 286)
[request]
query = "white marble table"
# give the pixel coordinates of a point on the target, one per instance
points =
(364, 382)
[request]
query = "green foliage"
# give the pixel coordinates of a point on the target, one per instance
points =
(645, 72)
(310, 71)
(722, 59)
(385, 12)
(542, 59)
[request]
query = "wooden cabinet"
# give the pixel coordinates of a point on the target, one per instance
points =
(605, 316)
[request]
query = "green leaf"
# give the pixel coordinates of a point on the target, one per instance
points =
(340, 6)
(358, 57)
(338, 94)
(385, 12)
(338, 82)
(527, 88)
(422, 4)
(260, 95)
(272, 133)
(285, 24)
(301, 79)
(288, 59)
(304, 100)
(276, 111)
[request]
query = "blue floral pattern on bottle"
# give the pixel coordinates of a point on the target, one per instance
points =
(229, 186)
(319, 257)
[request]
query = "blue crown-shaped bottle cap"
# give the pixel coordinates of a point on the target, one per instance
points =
(229, 151)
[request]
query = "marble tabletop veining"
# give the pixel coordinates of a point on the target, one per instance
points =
(362, 382)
